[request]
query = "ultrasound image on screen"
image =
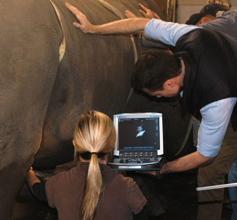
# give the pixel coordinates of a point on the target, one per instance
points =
(138, 134)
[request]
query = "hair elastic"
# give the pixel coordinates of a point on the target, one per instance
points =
(94, 152)
(87, 155)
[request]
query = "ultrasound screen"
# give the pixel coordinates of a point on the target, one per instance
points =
(138, 134)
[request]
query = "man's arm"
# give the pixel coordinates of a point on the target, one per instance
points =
(166, 32)
(125, 26)
(185, 163)
(215, 119)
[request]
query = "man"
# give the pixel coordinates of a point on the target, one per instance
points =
(217, 17)
(207, 13)
(205, 69)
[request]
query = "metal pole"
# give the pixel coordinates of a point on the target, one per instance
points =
(216, 186)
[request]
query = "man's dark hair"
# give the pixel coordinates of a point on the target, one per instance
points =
(154, 68)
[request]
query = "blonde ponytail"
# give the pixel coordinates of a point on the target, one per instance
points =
(94, 134)
(93, 189)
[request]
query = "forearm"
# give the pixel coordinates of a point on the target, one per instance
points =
(185, 163)
(125, 26)
(31, 179)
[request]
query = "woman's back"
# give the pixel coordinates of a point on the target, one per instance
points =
(119, 198)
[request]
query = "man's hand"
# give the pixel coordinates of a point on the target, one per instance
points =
(84, 24)
(152, 173)
(124, 26)
(188, 162)
(155, 173)
(147, 13)
(129, 14)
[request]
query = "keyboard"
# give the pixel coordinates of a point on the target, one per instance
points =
(139, 163)
(136, 160)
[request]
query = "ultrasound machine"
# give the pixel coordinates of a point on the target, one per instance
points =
(139, 141)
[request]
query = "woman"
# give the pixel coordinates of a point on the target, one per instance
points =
(91, 190)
